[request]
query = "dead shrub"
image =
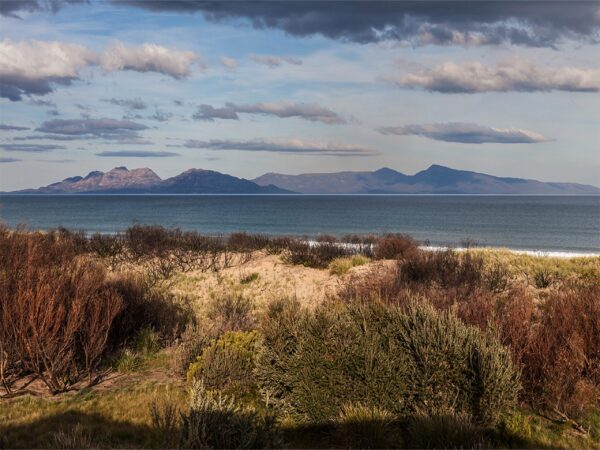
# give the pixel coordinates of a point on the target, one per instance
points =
(316, 255)
(231, 313)
(394, 246)
(56, 309)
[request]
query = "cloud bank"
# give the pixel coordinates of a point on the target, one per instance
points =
(306, 111)
(537, 23)
(517, 75)
(30, 148)
(294, 146)
(104, 128)
(467, 133)
(35, 67)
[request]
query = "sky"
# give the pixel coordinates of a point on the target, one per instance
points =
(244, 88)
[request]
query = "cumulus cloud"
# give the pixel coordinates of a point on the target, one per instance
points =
(105, 128)
(275, 61)
(136, 154)
(7, 127)
(35, 67)
(31, 148)
(517, 75)
(128, 103)
(148, 58)
(292, 146)
(306, 111)
(477, 22)
(467, 133)
(229, 63)
(8, 160)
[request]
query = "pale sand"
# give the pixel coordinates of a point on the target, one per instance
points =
(276, 280)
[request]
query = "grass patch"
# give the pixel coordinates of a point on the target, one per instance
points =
(119, 417)
(340, 266)
(249, 278)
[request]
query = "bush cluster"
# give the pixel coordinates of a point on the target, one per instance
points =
(60, 313)
(407, 361)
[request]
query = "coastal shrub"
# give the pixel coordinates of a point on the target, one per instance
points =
(56, 310)
(215, 420)
(360, 426)
(394, 246)
(192, 342)
(107, 246)
(407, 361)
(446, 268)
(245, 242)
(562, 360)
(146, 308)
(316, 255)
(227, 362)
(230, 312)
(543, 278)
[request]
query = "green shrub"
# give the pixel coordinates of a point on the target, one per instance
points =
(413, 361)
(360, 426)
(231, 313)
(147, 342)
(216, 421)
(128, 361)
(314, 363)
(227, 361)
(340, 266)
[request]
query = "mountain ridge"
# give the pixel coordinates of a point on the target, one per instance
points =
(436, 179)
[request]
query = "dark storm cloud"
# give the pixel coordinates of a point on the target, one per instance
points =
(467, 133)
(31, 148)
(105, 128)
(478, 22)
(11, 8)
(136, 154)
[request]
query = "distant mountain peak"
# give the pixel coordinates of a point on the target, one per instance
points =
(436, 179)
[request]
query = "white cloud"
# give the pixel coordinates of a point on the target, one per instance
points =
(31, 67)
(467, 133)
(34, 67)
(515, 74)
(149, 58)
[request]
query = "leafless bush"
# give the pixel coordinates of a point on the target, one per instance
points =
(394, 246)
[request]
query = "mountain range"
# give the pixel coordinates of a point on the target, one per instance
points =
(434, 180)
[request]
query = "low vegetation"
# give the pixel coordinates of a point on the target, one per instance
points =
(101, 346)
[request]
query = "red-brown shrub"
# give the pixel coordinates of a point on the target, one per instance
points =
(394, 246)
(55, 309)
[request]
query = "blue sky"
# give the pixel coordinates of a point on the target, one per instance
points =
(246, 92)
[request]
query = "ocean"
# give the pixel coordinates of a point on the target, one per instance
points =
(567, 225)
